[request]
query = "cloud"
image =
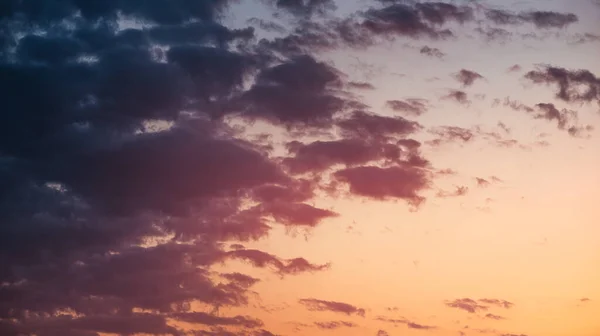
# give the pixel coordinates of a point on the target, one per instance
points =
(573, 85)
(458, 191)
(584, 38)
(541, 19)
(447, 134)
(458, 96)
(363, 125)
(466, 77)
(400, 182)
(361, 85)
(213, 320)
(481, 182)
(382, 333)
(409, 324)
(335, 324)
(299, 92)
(333, 306)
(585, 299)
(494, 317)
(473, 306)
(513, 104)
(262, 259)
(410, 107)
(432, 52)
(468, 305)
(565, 119)
(514, 68)
(503, 126)
(320, 155)
(304, 9)
(420, 19)
(498, 303)
(295, 214)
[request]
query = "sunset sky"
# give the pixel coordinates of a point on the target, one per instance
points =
(299, 167)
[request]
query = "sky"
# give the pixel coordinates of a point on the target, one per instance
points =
(299, 167)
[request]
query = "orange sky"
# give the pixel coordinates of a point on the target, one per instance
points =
(531, 239)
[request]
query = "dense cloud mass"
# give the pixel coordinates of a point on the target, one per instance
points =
(125, 173)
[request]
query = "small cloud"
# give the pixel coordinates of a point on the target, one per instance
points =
(481, 182)
(459, 191)
(332, 306)
(541, 19)
(466, 304)
(514, 68)
(408, 323)
(494, 317)
(361, 85)
(335, 324)
(467, 77)
(432, 52)
(573, 85)
(410, 107)
(447, 134)
(503, 126)
(458, 96)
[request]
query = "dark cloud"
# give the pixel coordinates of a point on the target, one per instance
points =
(401, 182)
(466, 77)
(262, 259)
(300, 92)
(240, 279)
(573, 85)
(333, 306)
(213, 320)
(382, 333)
(269, 26)
(410, 107)
(565, 119)
(335, 324)
(319, 156)
(363, 125)
(458, 96)
(295, 214)
(541, 19)
(304, 8)
(432, 52)
(585, 299)
(298, 191)
(120, 184)
(420, 19)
